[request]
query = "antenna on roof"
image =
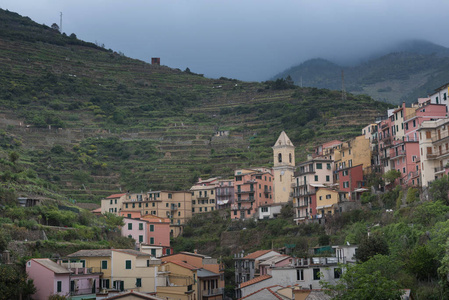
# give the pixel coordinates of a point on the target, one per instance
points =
(343, 90)
(60, 23)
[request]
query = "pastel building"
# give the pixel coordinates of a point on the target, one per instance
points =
(356, 151)
(64, 279)
(327, 201)
(434, 150)
(252, 188)
(441, 94)
(174, 205)
(149, 230)
(310, 175)
(122, 269)
(204, 196)
(224, 193)
(204, 273)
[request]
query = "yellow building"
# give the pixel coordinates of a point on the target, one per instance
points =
(356, 151)
(326, 201)
(175, 205)
(283, 169)
(122, 268)
(188, 282)
(203, 195)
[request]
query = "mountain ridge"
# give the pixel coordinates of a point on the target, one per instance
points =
(410, 70)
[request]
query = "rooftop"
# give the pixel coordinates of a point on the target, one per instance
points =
(254, 280)
(116, 196)
(51, 265)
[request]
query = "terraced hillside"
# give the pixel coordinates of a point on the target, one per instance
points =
(92, 122)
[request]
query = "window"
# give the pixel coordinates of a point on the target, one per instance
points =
(151, 227)
(193, 202)
(134, 205)
(110, 202)
(328, 166)
(316, 177)
(428, 134)
(328, 196)
(138, 282)
(140, 226)
(153, 252)
(126, 205)
(264, 209)
(72, 285)
(316, 274)
(105, 283)
(130, 226)
(300, 274)
(193, 209)
(128, 264)
(104, 264)
(319, 166)
(151, 240)
(140, 238)
(280, 157)
(169, 196)
(328, 178)
(414, 123)
(59, 285)
(166, 204)
(346, 184)
(238, 178)
(337, 272)
(403, 170)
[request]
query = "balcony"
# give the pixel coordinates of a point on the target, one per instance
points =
(439, 170)
(399, 153)
(300, 205)
(212, 292)
(243, 200)
(245, 192)
(440, 137)
(173, 207)
(236, 207)
(304, 171)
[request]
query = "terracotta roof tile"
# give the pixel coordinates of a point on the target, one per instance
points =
(183, 264)
(116, 196)
(254, 280)
(256, 254)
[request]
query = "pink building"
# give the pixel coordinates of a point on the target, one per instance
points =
(252, 188)
(224, 193)
(61, 279)
(149, 230)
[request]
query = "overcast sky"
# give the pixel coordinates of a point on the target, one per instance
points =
(245, 39)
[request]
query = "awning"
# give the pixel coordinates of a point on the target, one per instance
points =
(324, 206)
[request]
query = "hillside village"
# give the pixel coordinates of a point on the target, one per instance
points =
(367, 214)
(409, 142)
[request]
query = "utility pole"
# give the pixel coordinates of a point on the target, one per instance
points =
(60, 23)
(343, 90)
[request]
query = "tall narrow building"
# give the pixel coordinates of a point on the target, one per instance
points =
(283, 168)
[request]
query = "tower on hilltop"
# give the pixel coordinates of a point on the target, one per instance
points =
(283, 168)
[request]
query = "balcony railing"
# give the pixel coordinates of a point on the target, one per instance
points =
(440, 136)
(212, 292)
(440, 169)
(249, 199)
(398, 153)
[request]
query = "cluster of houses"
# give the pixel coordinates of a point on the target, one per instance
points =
(106, 273)
(412, 140)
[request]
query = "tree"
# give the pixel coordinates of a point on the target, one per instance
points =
(13, 156)
(54, 26)
(391, 176)
(370, 246)
(423, 263)
(363, 281)
(14, 284)
(439, 189)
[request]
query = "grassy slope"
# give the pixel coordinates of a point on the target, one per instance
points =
(125, 123)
